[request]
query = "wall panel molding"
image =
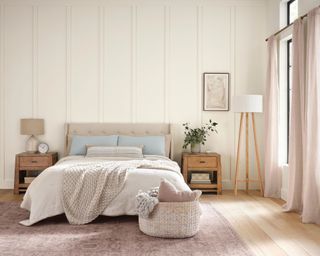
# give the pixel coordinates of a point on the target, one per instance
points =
(101, 62)
(199, 60)
(218, 56)
(166, 68)
(85, 77)
(18, 79)
(233, 146)
(134, 11)
(68, 62)
(52, 65)
(2, 95)
(118, 64)
(150, 70)
(35, 78)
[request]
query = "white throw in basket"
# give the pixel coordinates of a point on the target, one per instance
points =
(172, 220)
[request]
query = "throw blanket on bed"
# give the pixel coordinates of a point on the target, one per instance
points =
(88, 188)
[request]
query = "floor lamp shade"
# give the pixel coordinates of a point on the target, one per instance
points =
(32, 127)
(248, 104)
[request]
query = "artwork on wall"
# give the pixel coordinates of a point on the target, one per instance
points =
(216, 91)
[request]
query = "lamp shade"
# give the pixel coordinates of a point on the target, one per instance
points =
(248, 103)
(31, 126)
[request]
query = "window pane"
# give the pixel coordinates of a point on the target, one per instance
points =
(293, 10)
(290, 53)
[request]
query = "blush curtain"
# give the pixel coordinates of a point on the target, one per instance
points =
(297, 120)
(304, 141)
(271, 141)
(311, 176)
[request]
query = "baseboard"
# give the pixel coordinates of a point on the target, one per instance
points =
(228, 185)
(7, 184)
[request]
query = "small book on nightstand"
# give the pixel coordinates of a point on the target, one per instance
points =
(28, 180)
(203, 178)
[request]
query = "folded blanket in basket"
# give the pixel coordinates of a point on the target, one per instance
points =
(146, 201)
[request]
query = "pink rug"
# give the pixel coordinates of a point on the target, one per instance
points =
(112, 236)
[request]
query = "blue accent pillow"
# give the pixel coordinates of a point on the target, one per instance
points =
(78, 144)
(152, 145)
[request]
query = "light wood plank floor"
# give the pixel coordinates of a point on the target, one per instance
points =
(259, 221)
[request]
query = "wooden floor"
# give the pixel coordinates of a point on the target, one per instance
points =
(259, 221)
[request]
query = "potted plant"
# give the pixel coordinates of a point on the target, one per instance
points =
(197, 136)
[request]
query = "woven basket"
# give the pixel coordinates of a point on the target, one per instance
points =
(172, 220)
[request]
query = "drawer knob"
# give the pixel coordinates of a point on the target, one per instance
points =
(34, 161)
(202, 162)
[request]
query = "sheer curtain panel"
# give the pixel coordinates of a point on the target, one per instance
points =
(297, 120)
(271, 142)
(311, 176)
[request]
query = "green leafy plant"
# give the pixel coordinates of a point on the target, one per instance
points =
(198, 135)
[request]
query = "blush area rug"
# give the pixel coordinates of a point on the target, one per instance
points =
(112, 236)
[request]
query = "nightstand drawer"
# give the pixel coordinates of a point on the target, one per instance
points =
(199, 162)
(39, 161)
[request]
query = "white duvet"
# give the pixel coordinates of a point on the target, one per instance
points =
(43, 197)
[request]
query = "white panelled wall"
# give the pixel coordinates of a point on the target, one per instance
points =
(125, 61)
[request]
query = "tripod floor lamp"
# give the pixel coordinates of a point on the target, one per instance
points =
(247, 105)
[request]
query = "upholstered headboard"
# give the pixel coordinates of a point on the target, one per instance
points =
(134, 129)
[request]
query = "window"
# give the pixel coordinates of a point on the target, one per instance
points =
(292, 11)
(289, 88)
(289, 13)
(292, 15)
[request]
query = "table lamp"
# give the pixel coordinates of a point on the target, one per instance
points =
(247, 104)
(32, 127)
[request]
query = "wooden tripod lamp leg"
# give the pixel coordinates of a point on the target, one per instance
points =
(247, 152)
(257, 153)
(238, 157)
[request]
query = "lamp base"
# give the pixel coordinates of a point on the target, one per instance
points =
(247, 180)
(32, 144)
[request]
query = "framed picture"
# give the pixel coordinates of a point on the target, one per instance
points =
(216, 91)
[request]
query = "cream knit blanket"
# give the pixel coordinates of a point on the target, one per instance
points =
(88, 188)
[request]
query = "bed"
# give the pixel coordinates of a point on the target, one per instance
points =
(44, 196)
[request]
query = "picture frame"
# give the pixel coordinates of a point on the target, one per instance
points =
(216, 91)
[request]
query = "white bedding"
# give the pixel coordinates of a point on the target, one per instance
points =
(43, 197)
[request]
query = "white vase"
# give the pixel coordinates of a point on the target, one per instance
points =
(195, 148)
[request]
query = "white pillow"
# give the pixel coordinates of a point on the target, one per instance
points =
(105, 151)
(153, 145)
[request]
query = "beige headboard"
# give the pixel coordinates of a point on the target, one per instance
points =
(135, 129)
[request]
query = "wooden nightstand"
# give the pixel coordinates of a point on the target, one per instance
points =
(27, 163)
(203, 162)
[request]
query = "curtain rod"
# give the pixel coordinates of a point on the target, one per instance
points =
(286, 27)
